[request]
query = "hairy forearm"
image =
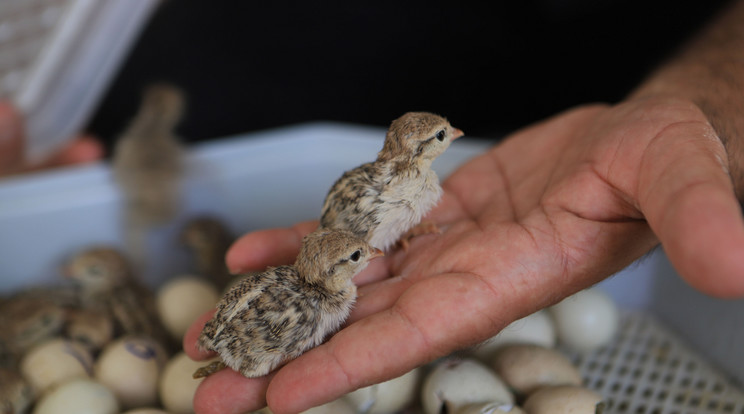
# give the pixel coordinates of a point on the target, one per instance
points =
(709, 71)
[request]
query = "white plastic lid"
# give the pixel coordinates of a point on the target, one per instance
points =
(73, 61)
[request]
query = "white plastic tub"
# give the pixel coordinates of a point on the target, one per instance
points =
(679, 352)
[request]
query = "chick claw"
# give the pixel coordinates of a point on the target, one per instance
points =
(420, 229)
(209, 369)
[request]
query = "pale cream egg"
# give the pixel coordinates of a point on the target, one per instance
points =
(386, 397)
(79, 396)
(453, 383)
(130, 367)
(183, 299)
(586, 320)
(536, 328)
(564, 399)
(527, 367)
(55, 361)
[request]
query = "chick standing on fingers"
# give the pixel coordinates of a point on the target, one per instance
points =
(274, 316)
(382, 200)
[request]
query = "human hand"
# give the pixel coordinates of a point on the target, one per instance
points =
(551, 210)
(12, 146)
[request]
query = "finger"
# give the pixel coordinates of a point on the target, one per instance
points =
(228, 392)
(81, 150)
(192, 334)
(376, 297)
(689, 201)
(272, 247)
(420, 327)
(12, 139)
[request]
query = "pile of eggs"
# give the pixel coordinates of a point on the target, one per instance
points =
(518, 371)
(71, 362)
(68, 360)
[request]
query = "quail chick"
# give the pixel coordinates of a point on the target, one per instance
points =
(16, 395)
(25, 321)
(380, 201)
(148, 165)
(209, 240)
(108, 285)
(274, 316)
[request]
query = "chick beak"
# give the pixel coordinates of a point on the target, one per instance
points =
(376, 253)
(456, 133)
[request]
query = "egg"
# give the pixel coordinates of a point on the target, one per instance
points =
(453, 383)
(527, 367)
(586, 320)
(55, 361)
(564, 399)
(183, 299)
(386, 397)
(490, 408)
(536, 328)
(177, 386)
(339, 406)
(79, 396)
(130, 367)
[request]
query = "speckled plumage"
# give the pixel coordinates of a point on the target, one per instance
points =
(107, 285)
(380, 201)
(148, 157)
(16, 395)
(26, 321)
(276, 315)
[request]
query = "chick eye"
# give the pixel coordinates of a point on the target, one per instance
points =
(440, 135)
(355, 256)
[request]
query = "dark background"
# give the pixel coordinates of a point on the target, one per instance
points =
(488, 66)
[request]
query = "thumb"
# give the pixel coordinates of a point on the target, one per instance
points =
(686, 194)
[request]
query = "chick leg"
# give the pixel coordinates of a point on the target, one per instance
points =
(209, 369)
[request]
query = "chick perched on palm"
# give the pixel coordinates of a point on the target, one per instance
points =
(382, 200)
(276, 315)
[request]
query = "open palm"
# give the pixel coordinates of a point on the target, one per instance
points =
(551, 210)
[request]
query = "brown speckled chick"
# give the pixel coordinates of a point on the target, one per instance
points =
(382, 200)
(148, 157)
(108, 285)
(16, 395)
(274, 316)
